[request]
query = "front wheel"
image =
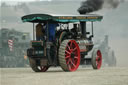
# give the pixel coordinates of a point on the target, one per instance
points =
(69, 55)
(96, 59)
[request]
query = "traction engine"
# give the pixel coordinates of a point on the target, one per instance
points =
(68, 46)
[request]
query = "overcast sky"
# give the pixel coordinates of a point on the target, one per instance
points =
(17, 0)
(14, 2)
(23, 0)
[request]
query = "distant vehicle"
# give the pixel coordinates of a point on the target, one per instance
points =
(13, 45)
(109, 58)
(67, 47)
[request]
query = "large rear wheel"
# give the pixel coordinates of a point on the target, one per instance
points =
(35, 67)
(69, 55)
(96, 59)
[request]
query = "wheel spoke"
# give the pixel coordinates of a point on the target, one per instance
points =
(67, 52)
(74, 48)
(67, 57)
(43, 68)
(68, 47)
(71, 44)
(68, 61)
(76, 57)
(73, 64)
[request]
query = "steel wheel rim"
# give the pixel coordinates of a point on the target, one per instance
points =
(72, 55)
(98, 59)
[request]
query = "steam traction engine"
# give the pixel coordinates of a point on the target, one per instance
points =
(68, 45)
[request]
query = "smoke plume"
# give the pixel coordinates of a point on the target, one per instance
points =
(90, 6)
(95, 5)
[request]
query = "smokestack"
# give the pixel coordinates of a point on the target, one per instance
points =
(83, 29)
(90, 6)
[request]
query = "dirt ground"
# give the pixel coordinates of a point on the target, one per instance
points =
(55, 76)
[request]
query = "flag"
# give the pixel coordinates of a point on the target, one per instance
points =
(10, 44)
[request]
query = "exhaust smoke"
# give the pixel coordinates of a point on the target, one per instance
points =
(95, 5)
(90, 6)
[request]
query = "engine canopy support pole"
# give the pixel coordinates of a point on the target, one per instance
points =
(92, 30)
(83, 29)
(47, 31)
(33, 32)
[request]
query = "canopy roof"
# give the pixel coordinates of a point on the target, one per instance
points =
(35, 18)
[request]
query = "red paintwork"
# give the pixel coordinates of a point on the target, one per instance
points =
(72, 55)
(99, 59)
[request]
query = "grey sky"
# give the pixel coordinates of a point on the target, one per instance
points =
(22, 0)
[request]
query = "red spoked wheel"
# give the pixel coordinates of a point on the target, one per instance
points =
(96, 59)
(69, 55)
(37, 68)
